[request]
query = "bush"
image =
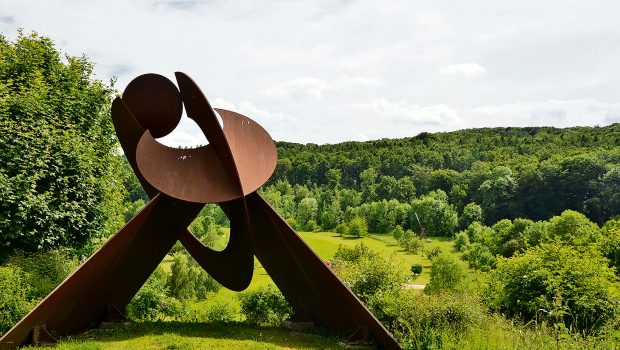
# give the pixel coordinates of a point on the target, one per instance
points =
(577, 288)
(422, 321)
(342, 228)
(14, 302)
(189, 280)
(461, 241)
(416, 269)
(413, 245)
(44, 270)
(480, 258)
(397, 233)
(358, 227)
(368, 274)
(151, 302)
(447, 272)
(433, 253)
(264, 306)
(220, 313)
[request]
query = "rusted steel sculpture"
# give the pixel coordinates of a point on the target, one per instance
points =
(240, 157)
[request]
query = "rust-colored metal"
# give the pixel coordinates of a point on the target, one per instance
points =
(240, 157)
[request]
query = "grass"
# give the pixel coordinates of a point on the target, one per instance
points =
(187, 336)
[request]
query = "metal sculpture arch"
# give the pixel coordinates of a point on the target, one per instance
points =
(240, 157)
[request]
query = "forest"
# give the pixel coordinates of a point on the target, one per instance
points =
(512, 232)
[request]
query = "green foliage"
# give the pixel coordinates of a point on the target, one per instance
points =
(461, 241)
(221, 312)
(44, 271)
(421, 321)
(435, 213)
(433, 253)
(189, 280)
(264, 306)
(610, 244)
(14, 301)
(357, 227)
(416, 269)
(447, 273)
(368, 274)
(573, 228)
(306, 212)
(534, 173)
(60, 180)
(152, 303)
(472, 212)
(574, 288)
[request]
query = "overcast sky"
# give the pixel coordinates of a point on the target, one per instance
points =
(332, 71)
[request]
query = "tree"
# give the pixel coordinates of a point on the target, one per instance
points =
(472, 212)
(435, 213)
(496, 192)
(307, 211)
(60, 180)
(447, 272)
(576, 287)
(573, 228)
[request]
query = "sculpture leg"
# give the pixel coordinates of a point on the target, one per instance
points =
(232, 267)
(308, 285)
(111, 276)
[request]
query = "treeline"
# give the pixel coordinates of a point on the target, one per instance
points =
(510, 172)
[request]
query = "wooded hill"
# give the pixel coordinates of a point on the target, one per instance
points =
(533, 172)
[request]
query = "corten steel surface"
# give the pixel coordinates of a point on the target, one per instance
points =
(240, 157)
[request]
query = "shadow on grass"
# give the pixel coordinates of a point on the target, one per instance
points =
(231, 331)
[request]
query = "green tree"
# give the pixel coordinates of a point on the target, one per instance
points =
(471, 212)
(496, 192)
(307, 211)
(577, 288)
(435, 213)
(447, 272)
(60, 179)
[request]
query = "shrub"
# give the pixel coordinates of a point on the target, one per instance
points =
(358, 227)
(44, 270)
(480, 258)
(416, 269)
(433, 253)
(342, 228)
(220, 313)
(577, 288)
(461, 241)
(368, 274)
(422, 321)
(14, 303)
(413, 245)
(264, 306)
(397, 233)
(189, 280)
(447, 272)
(151, 302)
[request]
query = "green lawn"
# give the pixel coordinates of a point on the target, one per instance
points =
(187, 336)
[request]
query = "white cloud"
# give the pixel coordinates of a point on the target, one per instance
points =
(560, 113)
(315, 87)
(404, 112)
(465, 70)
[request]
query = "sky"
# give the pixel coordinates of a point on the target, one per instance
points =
(338, 70)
